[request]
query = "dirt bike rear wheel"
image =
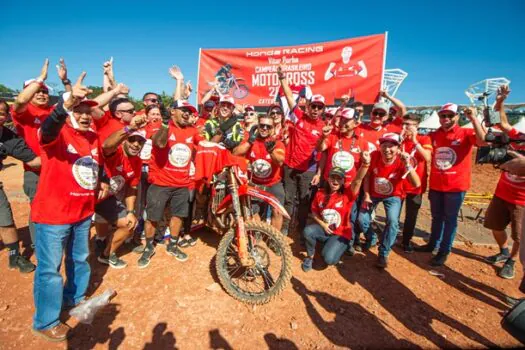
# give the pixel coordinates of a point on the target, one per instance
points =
(265, 280)
(240, 92)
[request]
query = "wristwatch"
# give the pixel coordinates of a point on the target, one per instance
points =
(66, 82)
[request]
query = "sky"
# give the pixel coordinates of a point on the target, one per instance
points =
(443, 45)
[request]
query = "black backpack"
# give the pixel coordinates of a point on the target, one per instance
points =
(514, 321)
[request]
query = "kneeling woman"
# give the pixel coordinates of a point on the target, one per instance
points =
(331, 210)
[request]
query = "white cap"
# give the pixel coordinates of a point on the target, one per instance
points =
(449, 107)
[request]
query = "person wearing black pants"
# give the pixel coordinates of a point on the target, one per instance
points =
(297, 183)
(412, 205)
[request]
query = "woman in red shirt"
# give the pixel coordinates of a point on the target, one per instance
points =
(331, 209)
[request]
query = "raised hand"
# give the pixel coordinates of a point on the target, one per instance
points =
(108, 67)
(188, 89)
(78, 93)
(43, 72)
(138, 122)
(122, 89)
(405, 157)
(176, 73)
(62, 69)
(366, 158)
(503, 92)
(470, 112)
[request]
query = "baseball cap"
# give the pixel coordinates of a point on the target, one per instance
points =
(27, 82)
(275, 106)
(249, 107)
(90, 103)
(449, 107)
(317, 99)
(390, 137)
(337, 171)
(227, 99)
(348, 113)
(140, 133)
(183, 104)
(209, 104)
(381, 105)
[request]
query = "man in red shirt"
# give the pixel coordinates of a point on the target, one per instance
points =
(30, 109)
(449, 177)
(149, 99)
(301, 159)
(169, 175)
(123, 168)
(266, 156)
(62, 210)
(419, 148)
(508, 203)
(384, 183)
(372, 131)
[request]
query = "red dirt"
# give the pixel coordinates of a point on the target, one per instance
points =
(168, 305)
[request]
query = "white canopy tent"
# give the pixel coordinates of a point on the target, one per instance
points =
(469, 124)
(431, 122)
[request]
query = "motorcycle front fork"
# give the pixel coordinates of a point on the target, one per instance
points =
(240, 230)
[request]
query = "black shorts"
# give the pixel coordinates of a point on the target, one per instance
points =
(259, 206)
(6, 214)
(158, 196)
(110, 210)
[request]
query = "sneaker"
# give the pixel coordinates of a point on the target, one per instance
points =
(138, 248)
(382, 262)
(408, 248)
(174, 250)
(103, 259)
(426, 248)
(494, 259)
(307, 264)
(369, 244)
(115, 262)
(507, 271)
(22, 264)
(439, 259)
(187, 242)
(145, 259)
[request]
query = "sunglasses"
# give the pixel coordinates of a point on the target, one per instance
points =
(43, 91)
(359, 111)
(154, 100)
(251, 114)
(129, 111)
(449, 116)
(381, 114)
(138, 139)
(276, 112)
(316, 106)
(265, 126)
(408, 124)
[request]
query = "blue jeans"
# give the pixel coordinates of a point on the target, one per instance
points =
(334, 246)
(49, 290)
(392, 207)
(444, 207)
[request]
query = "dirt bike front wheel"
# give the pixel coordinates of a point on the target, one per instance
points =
(240, 92)
(269, 272)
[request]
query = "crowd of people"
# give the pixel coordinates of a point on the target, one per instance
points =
(130, 173)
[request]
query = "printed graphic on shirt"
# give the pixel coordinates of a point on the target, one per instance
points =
(179, 155)
(85, 172)
(261, 168)
(514, 178)
(383, 186)
(116, 183)
(331, 217)
(344, 160)
(371, 147)
(445, 158)
(145, 153)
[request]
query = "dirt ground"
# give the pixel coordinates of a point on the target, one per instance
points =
(352, 305)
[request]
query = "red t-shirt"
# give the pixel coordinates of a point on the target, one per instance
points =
(264, 170)
(170, 166)
(511, 188)
(211, 158)
(151, 128)
(371, 135)
(418, 162)
(335, 210)
(27, 124)
(122, 170)
(395, 126)
(106, 126)
(301, 154)
(345, 153)
(385, 180)
(68, 178)
(451, 159)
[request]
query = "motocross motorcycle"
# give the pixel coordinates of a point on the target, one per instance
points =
(253, 259)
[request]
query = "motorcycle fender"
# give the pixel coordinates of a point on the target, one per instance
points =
(246, 190)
